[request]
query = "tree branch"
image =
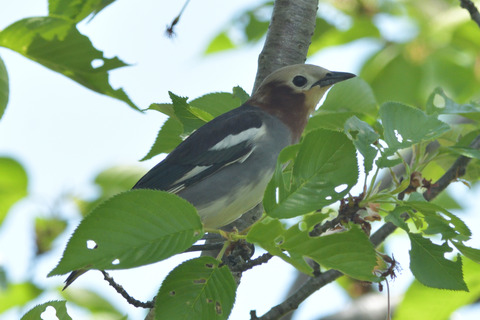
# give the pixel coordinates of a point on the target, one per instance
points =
(474, 14)
(457, 170)
(288, 38)
(134, 302)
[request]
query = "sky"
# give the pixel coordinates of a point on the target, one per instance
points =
(64, 134)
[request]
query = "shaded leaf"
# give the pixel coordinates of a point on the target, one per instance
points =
(91, 301)
(421, 302)
(241, 94)
(354, 95)
(51, 308)
(362, 27)
(46, 231)
(393, 76)
(350, 252)
(76, 10)
(418, 202)
(111, 181)
(56, 43)
(217, 103)
(196, 289)
(132, 229)
(4, 88)
(362, 136)
(471, 253)
(431, 268)
(330, 120)
(13, 184)
(465, 151)
(324, 170)
(255, 28)
(168, 138)
(184, 114)
(17, 295)
(395, 217)
(270, 234)
(440, 103)
(405, 126)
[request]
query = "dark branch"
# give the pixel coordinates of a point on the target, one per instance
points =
(252, 263)
(474, 14)
(134, 302)
(313, 284)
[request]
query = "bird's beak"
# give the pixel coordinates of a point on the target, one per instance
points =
(333, 77)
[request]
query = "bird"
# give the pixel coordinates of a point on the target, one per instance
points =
(223, 167)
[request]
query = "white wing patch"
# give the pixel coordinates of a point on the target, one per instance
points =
(234, 139)
(192, 173)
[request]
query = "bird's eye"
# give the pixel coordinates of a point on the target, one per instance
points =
(299, 81)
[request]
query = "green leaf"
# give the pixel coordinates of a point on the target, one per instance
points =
(269, 234)
(132, 229)
(59, 309)
(363, 136)
(17, 295)
(168, 138)
(405, 126)
(4, 88)
(184, 114)
(418, 202)
(324, 170)
(56, 43)
(186, 117)
(465, 151)
(111, 181)
(471, 253)
(421, 302)
(431, 268)
(241, 94)
(440, 103)
(354, 95)
(91, 301)
(221, 42)
(393, 76)
(216, 103)
(196, 289)
(165, 108)
(76, 10)
(13, 184)
(330, 120)
(327, 36)
(350, 252)
(396, 218)
(255, 28)
(46, 231)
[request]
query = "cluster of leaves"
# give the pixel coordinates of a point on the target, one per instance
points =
(55, 42)
(436, 40)
(139, 227)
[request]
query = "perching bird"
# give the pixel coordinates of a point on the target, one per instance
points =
(224, 167)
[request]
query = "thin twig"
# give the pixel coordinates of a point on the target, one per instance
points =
(123, 293)
(252, 263)
(169, 31)
(474, 14)
(313, 284)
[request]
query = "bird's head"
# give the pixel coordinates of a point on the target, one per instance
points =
(292, 93)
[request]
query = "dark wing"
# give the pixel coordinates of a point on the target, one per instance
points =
(226, 139)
